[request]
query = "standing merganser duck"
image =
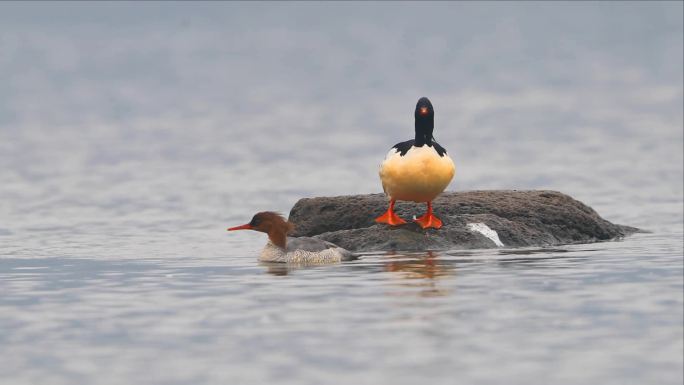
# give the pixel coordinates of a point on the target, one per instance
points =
(416, 170)
(281, 248)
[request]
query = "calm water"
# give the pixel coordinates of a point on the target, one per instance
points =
(132, 136)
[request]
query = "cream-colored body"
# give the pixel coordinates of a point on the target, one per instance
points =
(420, 175)
(319, 252)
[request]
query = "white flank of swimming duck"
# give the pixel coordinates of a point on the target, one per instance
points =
(300, 250)
(417, 170)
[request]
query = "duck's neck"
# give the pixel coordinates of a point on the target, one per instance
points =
(424, 127)
(278, 238)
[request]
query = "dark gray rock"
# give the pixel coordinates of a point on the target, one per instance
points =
(521, 218)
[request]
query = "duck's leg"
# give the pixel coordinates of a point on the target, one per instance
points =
(429, 219)
(390, 217)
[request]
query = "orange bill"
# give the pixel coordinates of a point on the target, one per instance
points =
(243, 227)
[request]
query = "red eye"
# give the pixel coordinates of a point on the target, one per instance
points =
(423, 110)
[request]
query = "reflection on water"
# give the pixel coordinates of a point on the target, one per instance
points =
(419, 271)
(422, 271)
(415, 270)
(278, 268)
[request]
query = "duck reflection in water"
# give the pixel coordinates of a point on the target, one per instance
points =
(281, 269)
(419, 271)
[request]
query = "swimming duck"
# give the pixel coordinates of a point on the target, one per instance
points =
(416, 170)
(281, 248)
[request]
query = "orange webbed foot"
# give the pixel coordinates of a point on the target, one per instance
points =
(390, 217)
(429, 219)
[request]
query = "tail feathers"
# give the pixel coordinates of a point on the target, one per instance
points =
(348, 255)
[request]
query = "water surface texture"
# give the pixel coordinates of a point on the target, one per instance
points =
(132, 135)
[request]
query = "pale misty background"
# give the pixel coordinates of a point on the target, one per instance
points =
(298, 100)
(132, 135)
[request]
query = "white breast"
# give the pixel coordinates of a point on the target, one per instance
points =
(420, 175)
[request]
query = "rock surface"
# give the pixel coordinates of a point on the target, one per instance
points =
(520, 218)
